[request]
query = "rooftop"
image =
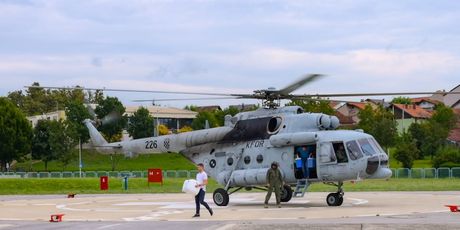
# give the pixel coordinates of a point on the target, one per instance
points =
(164, 112)
(414, 111)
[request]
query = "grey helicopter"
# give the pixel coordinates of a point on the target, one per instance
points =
(238, 154)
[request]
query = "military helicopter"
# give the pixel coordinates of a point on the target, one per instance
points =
(239, 153)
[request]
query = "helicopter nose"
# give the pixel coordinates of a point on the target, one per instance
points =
(382, 173)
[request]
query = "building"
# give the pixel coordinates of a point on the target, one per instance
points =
(54, 116)
(244, 107)
(173, 118)
(425, 102)
(405, 115)
(451, 100)
(350, 110)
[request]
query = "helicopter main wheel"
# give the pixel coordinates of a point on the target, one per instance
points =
(286, 193)
(220, 197)
(334, 199)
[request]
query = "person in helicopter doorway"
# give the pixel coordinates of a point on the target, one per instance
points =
(202, 179)
(274, 182)
(305, 152)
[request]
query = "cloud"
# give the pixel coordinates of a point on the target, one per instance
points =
(230, 45)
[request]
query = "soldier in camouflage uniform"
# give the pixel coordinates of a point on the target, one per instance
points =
(274, 181)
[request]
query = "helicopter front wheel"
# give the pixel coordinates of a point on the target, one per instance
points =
(220, 197)
(334, 199)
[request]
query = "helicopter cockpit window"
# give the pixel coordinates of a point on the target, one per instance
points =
(366, 147)
(274, 124)
(353, 150)
(327, 154)
(340, 152)
(376, 145)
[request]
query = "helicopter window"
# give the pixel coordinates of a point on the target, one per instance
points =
(247, 160)
(260, 159)
(327, 154)
(366, 147)
(230, 161)
(376, 145)
(340, 152)
(274, 124)
(353, 150)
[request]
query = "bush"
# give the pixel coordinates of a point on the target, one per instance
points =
(447, 156)
(406, 150)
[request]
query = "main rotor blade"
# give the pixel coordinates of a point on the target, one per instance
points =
(187, 99)
(369, 94)
(299, 83)
(132, 90)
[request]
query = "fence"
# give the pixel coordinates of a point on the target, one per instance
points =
(96, 174)
(417, 173)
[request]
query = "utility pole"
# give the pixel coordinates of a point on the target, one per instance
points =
(79, 155)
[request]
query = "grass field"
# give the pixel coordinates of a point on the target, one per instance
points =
(93, 161)
(139, 185)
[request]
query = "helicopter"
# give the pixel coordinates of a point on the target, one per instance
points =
(239, 154)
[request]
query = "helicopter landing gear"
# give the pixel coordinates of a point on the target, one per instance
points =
(286, 193)
(221, 197)
(336, 199)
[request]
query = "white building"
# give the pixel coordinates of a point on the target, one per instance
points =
(55, 116)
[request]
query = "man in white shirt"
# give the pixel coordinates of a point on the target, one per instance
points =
(202, 179)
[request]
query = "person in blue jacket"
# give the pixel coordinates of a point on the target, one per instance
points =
(305, 152)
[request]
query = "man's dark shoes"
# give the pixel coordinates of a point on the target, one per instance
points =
(196, 215)
(210, 211)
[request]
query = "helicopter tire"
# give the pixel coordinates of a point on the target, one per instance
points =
(334, 199)
(286, 193)
(220, 197)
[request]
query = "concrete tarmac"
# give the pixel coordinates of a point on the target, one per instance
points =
(360, 210)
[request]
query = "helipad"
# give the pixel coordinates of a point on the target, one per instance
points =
(243, 208)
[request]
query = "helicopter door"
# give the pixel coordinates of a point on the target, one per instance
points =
(332, 161)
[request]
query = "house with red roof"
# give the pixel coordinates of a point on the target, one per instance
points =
(349, 111)
(405, 115)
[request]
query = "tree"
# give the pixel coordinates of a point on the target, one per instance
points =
(219, 115)
(15, 133)
(379, 123)
(447, 156)
(431, 134)
(200, 121)
(141, 124)
(113, 107)
(52, 140)
(406, 150)
(76, 113)
(402, 100)
(313, 106)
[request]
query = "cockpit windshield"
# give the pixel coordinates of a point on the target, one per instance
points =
(367, 147)
(376, 145)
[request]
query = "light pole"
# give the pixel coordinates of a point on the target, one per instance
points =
(79, 155)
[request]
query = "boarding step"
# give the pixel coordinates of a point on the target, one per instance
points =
(301, 188)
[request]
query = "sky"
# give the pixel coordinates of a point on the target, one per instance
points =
(229, 46)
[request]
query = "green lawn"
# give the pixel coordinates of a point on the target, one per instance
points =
(93, 161)
(139, 185)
